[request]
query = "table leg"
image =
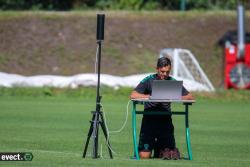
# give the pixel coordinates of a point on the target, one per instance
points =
(189, 149)
(136, 153)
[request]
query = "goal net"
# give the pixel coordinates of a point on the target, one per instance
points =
(185, 67)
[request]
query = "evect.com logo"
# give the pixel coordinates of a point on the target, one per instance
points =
(15, 156)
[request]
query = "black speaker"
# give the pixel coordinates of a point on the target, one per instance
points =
(100, 27)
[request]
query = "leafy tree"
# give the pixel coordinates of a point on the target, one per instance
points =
(118, 4)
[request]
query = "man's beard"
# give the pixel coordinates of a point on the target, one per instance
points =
(162, 78)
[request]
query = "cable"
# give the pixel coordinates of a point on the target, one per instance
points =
(104, 117)
(101, 152)
(125, 122)
(116, 131)
(96, 57)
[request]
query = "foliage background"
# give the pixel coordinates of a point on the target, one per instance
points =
(117, 4)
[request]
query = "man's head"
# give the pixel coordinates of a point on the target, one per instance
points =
(163, 67)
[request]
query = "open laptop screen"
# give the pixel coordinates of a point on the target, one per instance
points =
(166, 89)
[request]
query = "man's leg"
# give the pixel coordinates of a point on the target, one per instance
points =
(146, 140)
(166, 139)
(157, 149)
(146, 144)
(165, 133)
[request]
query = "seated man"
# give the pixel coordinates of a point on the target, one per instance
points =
(157, 131)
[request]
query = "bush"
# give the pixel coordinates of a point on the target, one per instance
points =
(116, 4)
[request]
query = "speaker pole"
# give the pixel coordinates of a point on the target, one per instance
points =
(97, 116)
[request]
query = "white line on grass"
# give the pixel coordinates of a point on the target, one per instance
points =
(51, 151)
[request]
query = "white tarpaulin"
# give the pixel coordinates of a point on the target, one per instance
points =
(14, 80)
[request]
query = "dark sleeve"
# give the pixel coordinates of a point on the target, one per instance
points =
(141, 88)
(184, 91)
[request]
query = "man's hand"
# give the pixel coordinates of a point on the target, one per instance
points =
(136, 95)
(188, 97)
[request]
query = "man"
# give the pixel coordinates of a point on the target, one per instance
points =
(157, 131)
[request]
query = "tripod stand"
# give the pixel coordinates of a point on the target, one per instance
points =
(97, 117)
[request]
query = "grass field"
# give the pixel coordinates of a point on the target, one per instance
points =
(55, 129)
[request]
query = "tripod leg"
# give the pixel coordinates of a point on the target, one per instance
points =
(104, 129)
(95, 135)
(89, 135)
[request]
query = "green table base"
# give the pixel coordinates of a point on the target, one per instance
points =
(185, 113)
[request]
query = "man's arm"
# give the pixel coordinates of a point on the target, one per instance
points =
(189, 96)
(136, 95)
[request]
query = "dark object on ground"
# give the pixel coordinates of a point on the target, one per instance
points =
(168, 154)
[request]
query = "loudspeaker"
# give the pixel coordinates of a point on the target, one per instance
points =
(100, 27)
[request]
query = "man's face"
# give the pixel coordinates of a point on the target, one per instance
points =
(163, 72)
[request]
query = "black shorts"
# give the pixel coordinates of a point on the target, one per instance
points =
(157, 133)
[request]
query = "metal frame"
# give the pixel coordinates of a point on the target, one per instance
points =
(186, 103)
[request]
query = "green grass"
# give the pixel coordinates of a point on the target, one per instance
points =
(54, 128)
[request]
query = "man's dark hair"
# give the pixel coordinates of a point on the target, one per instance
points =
(163, 62)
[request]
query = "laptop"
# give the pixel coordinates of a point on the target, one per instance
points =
(166, 90)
